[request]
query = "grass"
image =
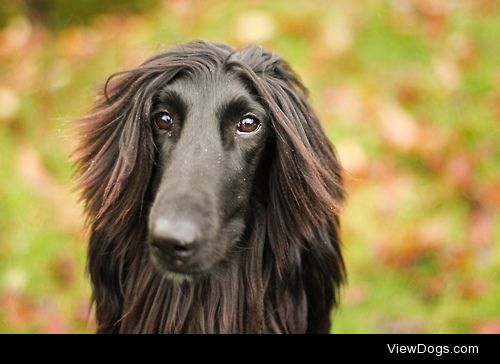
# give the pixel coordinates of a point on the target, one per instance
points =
(408, 93)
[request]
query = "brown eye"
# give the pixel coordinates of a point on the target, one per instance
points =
(163, 120)
(247, 125)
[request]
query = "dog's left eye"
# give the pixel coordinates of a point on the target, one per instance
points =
(163, 120)
(247, 125)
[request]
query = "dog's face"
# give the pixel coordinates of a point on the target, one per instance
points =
(210, 132)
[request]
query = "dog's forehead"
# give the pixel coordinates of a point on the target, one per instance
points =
(208, 88)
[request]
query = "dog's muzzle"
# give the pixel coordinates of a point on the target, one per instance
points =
(174, 242)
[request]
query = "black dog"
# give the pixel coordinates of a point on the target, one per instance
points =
(212, 196)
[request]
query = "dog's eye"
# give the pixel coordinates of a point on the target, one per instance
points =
(163, 120)
(247, 125)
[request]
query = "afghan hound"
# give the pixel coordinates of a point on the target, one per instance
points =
(212, 197)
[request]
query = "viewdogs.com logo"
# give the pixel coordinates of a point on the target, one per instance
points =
(437, 350)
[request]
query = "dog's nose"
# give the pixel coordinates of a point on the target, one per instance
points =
(177, 240)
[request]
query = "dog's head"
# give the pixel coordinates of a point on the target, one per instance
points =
(196, 142)
(210, 131)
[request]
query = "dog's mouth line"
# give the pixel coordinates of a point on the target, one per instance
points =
(167, 269)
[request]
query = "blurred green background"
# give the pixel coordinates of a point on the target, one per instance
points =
(408, 91)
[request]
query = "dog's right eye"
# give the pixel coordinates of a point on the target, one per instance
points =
(163, 120)
(247, 125)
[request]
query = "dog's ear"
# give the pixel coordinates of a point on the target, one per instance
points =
(114, 162)
(306, 194)
(305, 183)
(113, 158)
(107, 294)
(116, 151)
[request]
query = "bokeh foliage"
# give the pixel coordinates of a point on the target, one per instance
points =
(408, 91)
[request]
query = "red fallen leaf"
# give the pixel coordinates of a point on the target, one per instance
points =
(434, 286)
(85, 316)
(473, 288)
(460, 169)
(352, 157)
(433, 14)
(433, 231)
(463, 49)
(401, 325)
(433, 7)
(434, 146)
(344, 101)
(396, 191)
(408, 89)
(64, 269)
(481, 227)
(381, 243)
(356, 294)
(495, 103)
(459, 258)
(19, 309)
(336, 38)
(53, 323)
(447, 73)
(79, 42)
(405, 251)
(398, 127)
(181, 8)
(490, 194)
(485, 6)
(56, 326)
(34, 174)
(389, 252)
(488, 327)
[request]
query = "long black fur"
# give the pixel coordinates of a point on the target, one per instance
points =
(284, 272)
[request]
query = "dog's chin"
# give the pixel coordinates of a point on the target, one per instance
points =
(177, 275)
